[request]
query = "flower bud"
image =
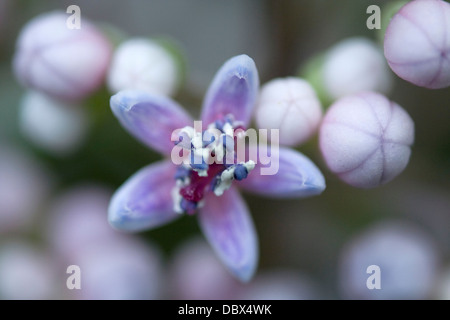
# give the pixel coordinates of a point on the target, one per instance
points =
(24, 186)
(143, 64)
(388, 10)
(280, 284)
(27, 273)
(66, 63)
(55, 126)
(366, 139)
(354, 65)
(120, 269)
(113, 265)
(389, 261)
(291, 106)
(197, 274)
(76, 220)
(416, 43)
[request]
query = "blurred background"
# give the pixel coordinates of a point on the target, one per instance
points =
(53, 205)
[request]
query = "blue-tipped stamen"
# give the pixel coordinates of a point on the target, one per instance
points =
(219, 125)
(240, 172)
(197, 162)
(207, 142)
(196, 178)
(228, 142)
(182, 173)
(184, 141)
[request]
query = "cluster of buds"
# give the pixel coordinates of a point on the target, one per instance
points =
(364, 137)
(62, 67)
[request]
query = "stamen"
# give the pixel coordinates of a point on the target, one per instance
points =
(240, 172)
(219, 125)
(184, 141)
(195, 178)
(198, 185)
(207, 143)
(188, 206)
(228, 129)
(235, 172)
(224, 182)
(198, 164)
(182, 173)
(228, 142)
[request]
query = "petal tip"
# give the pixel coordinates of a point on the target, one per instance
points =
(121, 217)
(126, 99)
(314, 188)
(244, 67)
(245, 273)
(115, 102)
(118, 218)
(315, 185)
(233, 90)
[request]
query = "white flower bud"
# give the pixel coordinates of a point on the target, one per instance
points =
(143, 64)
(290, 105)
(55, 126)
(66, 63)
(354, 65)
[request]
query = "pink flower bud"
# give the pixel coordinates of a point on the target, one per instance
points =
(417, 43)
(290, 105)
(366, 139)
(76, 220)
(389, 261)
(113, 265)
(197, 274)
(62, 62)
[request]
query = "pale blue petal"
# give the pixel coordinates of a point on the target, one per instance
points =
(151, 118)
(233, 91)
(297, 176)
(144, 201)
(228, 227)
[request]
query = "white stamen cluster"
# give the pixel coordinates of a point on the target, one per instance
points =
(206, 144)
(227, 177)
(214, 145)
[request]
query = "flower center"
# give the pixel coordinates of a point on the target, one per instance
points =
(210, 163)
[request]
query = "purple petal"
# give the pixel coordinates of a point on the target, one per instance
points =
(233, 91)
(144, 201)
(295, 176)
(228, 227)
(150, 117)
